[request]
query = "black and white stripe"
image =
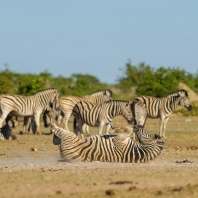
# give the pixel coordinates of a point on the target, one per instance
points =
(98, 115)
(161, 108)
(67, 104)
(18, 105)
(107, 148)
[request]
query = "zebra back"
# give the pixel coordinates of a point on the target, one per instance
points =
(27, 105)
(106, 92)
(68, 102)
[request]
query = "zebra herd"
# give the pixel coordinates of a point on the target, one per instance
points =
(97, 110)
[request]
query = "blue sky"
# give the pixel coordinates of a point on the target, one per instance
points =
(97, 37)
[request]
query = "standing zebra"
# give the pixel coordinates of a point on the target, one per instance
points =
(108, 148)
(98, 115)
(19, 105)
(67, 104)
(162, 108)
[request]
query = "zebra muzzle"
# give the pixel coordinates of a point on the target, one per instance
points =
(189, 107)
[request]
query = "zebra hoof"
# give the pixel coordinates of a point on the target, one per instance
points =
(164, 138)
(21, 132)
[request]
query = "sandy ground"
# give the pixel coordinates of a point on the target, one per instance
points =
(41, 173)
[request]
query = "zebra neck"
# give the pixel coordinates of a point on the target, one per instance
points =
(174, 103)
(60, 132)
(115, 112)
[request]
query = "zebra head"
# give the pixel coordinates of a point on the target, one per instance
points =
(48, 116)
(102, 96)
(54, 102)
(7, 131)
(57, 136)
(56, 139)
(180, 98)
(144, 137)
(108, 92)
(184, 101)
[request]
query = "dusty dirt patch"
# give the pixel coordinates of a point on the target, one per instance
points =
(25, 173)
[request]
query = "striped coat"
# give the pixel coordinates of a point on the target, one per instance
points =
(35, 105)
(162, 108)
(98, 115)
(68, 102)
(107, 148)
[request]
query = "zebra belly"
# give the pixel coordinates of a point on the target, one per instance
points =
(17, 113)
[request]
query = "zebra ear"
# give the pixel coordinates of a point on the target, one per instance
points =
(137, 127)
(104, 93)
(127, 104)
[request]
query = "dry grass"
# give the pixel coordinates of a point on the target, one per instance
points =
(30, 172)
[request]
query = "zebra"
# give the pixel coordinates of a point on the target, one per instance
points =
(98, 115)
(161, 108)
(36, 104)
(7, 131)
(108, 148)
(68, 102)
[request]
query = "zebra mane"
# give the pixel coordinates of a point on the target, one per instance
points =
(110, 101)
(106, 92)
(177, 93)
(49, 89)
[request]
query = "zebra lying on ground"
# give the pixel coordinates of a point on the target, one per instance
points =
(98, 115)
(162, 108)
(67, 104)
(19, 105)
(108, 148)
(7, 131)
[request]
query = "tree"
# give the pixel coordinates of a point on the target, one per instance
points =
(8, 81)
(30, 84)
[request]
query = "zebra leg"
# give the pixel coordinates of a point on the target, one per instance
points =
(108, 127)
(59, 117)
(32, 125)
(65, 120)
(25, 123)
(160, 127)
(101, 125)
(37, 127)
(164, 127)
(78, 128)
(85, 128)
